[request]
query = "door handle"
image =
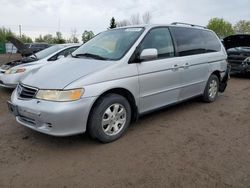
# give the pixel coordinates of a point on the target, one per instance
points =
(186, 66)
(175, 67)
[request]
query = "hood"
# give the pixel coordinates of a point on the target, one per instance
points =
(12, 64)
(31, 64)
(20, 46)
(63, 72)
(234, 41)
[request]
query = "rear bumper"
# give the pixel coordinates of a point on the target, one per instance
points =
(224, 80)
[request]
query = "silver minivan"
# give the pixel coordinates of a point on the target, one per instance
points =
(119, 75)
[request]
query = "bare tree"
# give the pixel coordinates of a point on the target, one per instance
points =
(123, 23)
(74, 38)
(242, 27)
(146, 17)
(135, 19)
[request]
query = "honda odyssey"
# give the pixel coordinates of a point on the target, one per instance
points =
(119, 75)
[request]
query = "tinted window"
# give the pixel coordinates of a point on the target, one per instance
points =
(161, 40)
(212, 44)
(67, 51)
(189, 41)
(48, 51)
(36, 45)
(192, 41)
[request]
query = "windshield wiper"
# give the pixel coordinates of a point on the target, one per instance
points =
(94, 56)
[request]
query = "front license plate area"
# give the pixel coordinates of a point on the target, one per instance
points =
(13, 108)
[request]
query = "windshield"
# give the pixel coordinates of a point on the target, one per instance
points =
(109, 45)
(48, 51)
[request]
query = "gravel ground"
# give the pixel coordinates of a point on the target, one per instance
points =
(192, 144)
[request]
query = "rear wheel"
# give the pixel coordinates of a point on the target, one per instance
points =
(110, 118)
(211, 91)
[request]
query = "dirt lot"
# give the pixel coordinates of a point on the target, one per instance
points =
(189, 145)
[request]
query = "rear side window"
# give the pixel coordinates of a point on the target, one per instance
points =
(191, 41)
(160, 39)
(212, 43)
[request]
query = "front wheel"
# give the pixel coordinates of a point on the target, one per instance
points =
(110, 118)
(211, 91)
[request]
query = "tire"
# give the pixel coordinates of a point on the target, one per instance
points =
(212, 88)
(104, 123)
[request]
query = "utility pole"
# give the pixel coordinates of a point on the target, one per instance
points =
(20, 31)
(59, 24)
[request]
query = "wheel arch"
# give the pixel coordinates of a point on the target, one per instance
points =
(217, 73)
(123, 92)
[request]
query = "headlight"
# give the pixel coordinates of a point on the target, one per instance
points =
(60, 95)
(14, 71)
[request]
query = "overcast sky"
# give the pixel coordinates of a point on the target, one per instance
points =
(48, 16)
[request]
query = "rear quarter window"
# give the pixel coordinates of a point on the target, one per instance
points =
(212, 44)
(192, 41)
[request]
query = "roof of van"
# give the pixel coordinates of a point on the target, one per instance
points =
(148, 26)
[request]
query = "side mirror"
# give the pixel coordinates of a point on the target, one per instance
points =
(149, 54)
(60, 57)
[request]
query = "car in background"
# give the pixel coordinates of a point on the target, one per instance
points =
(119, 75)
(27, 55)
(11, 76)
(36, 47)
(238, 50)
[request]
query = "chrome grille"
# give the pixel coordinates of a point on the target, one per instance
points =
(26, 92)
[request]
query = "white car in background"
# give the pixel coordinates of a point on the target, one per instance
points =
(11, 75)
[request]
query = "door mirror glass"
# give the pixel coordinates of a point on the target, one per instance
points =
(148, 54)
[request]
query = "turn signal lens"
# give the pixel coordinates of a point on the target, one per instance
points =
(14, 71)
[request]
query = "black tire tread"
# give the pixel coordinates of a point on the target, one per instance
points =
(205, 96)
(95, 115)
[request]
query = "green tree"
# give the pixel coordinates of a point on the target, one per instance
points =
(74, 40)
(112, 23)
(221, 27)
(39, 39)
(48, 38)
(58, 39)
(4, 33)
(25, 39)
(242, 27)
(87, 35)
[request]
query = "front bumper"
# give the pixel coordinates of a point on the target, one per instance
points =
(224, 80)
(240, 68)
(53, 118)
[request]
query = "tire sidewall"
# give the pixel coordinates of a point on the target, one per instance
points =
(95, 123)
(206, 96)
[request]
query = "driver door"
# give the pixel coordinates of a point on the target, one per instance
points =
(159, 79)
